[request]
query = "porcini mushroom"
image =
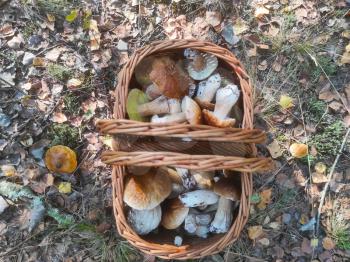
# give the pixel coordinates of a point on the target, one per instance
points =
(135, 98)
(192, 111)
(173, 118)
(228, 188)
(201, 65)
(61, 159)
(202, 231)
(187, 179)
(226, 98)
(206, 91)
(198, 198)
(190, 223)
(160, 105)
(152, 92)
(174, 213)
(203, 219)
(204, 179)
(169, 78)
(146, 191)
(144, 221)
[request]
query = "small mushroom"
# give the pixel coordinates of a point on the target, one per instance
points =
(192, 111)
(198, 198)
(201, 65)
(146, 191)
(174, 213)
(61, 159)
(178, 241)
(223, 216)
(205, 180)
(152, 92)
(135, 98)
(144, 221)
(169, 78)
(228, 188)
(225, 99)
(187, 179)
(173, 118)
(206, 91)
(160, 105)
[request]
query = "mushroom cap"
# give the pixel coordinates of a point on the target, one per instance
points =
(135, 98)
(142, 71)
(192, 110)
(202, 65)
(169, 77)
(212, 120)
(174, 214)
(61, 159)
(144, 221)
(228, 188)
(298, 150)
(146, 191)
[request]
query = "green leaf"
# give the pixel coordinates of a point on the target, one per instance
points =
(255, 198)
(62, 219)
(72, 16)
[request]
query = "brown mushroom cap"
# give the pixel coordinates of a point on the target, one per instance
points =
(146, 191)
(169, 77)
(228, 187)
(142, 71)
(174, 214)
(212, 120)
(61, 159)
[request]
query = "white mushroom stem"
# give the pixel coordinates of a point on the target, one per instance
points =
(226, 98)
(202, 231)
(155, 107)
(190, 223)
(223, 217)
(207, 89)
(173, 118)
(203, 219)
(187, 179)
(152, 92)
(198, 198)
(174, 106)
(144, 221)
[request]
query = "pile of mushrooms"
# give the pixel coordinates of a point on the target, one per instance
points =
(191, 203)
(192, 89)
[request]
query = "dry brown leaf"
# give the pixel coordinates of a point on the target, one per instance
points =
(265, 198)
(300, 14)
(95, 36)
(264, 241)
(262, 66)
(240, 26)
(122, 31)
(38, 62)
(53, 54)
(6, 31)
(254, 232)
(328, 243)
(276, 66)
(213, 18)
(306, 246)
(336, 106)
(318, 178)
(275, 149)
(74, 83)
(59, 117)
(261, 11)
(347, 121)
(345, 59)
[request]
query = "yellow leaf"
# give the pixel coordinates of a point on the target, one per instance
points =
(72, 16)
(320, 168)
(328, 243)
(38, 62)
(107, 140)
(254, 232)
(8, 170)
(65, 187)
(286, 102)
(265, 198)
(74, 83)
(314, 242)
(298, 150)
(240, 26)
(51, 17)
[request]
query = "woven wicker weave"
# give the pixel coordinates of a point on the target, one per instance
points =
(161, 245)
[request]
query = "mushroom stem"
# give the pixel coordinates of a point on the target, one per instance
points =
(173, 118)
(153, 92)
(198, 198)
(226, 98)
(157, 106)
(207, 89)
(223, 216)
(144, 221)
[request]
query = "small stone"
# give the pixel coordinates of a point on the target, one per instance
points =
(264, 241)
(178, 241)
(28, 58)
(122, 45)
(15, 42)
(286, 218)
(5, 120)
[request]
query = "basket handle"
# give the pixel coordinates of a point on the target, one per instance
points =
(186, 131)
(193, 162)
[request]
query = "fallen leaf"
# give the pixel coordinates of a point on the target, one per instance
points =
(286, 102)
(6, 31)
(3, 204)
(72, 16)
(37, 212)
(213, 18)
(274, 225)
(298, 150)
(38, 62)
(264, 241)
(318, 178)
(59, 117)
(320, 167)
(328, 243)
(95, 35)
(74, 83)
(240, 26)
(53, 54)
(261, 11)
(345, 59)
(275, 149)
(254, 232)
(8, 170)
(263, 65)
(306, 246)
(314, 242)
(347, 121)
(265, 198)
(122, 31)
(65, 187)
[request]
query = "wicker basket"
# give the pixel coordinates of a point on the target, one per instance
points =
(164, 154)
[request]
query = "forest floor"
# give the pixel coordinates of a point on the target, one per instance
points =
(59, 61)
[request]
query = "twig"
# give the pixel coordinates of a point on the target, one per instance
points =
(329, 178)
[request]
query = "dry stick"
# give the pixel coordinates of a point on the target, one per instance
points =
(329, 178)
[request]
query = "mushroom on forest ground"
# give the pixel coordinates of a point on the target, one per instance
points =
(61, 159)
(206, 91)
(226, 98)
(187, 179)
(169, 77)
(192, 111)
(144, 221)
(146, 191)
(171, 118)
(160, 105)
(198, 198)
(174, 213)
(201, 65)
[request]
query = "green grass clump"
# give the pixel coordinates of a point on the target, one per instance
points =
(315, 110)
(58, 8)
(328, 142)
(63, 134)
(72, 104)
(59, 72)
(325, 63)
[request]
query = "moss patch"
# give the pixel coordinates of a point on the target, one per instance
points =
(63, 134)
